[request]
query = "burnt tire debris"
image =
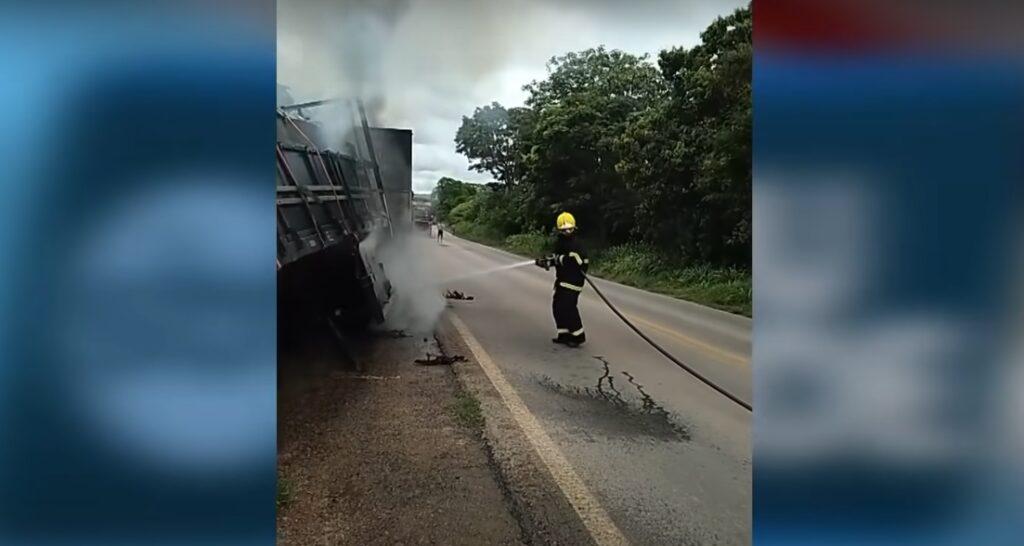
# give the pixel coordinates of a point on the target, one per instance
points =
(391, 334)
(440, 360)
(456, 295)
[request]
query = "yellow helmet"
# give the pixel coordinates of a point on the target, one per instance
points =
(565, 221)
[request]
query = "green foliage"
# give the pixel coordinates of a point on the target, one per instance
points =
(450, 193)
(656, 155)
(467, 411)
(689, 159)
(465, 213)
(646, 267)
(284, 492)
(530, 244)
(491, 139)
(582, 107)
(630, 260)
(620, 80)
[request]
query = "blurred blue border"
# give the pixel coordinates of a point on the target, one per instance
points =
(137, 295)
(937, 142)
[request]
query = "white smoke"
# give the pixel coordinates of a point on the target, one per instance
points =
(416, 302)
(403, 58)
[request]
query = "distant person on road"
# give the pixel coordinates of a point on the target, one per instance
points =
(440, 234)
(571, 265)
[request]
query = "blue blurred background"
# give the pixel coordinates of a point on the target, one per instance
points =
(888, 252)
(137, 309)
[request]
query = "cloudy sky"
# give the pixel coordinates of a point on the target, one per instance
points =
(423, 64)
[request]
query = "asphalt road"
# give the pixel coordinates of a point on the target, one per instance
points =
(666, 457)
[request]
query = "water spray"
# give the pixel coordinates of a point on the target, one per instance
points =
(488, 271)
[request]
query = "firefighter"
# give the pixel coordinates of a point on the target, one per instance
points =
(571, 265)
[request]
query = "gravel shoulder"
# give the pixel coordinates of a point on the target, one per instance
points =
(543, 513)
(393, 453)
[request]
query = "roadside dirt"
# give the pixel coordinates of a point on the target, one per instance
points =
(385, 455)
(537, 503)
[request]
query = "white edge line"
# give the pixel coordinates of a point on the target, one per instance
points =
(596, 520)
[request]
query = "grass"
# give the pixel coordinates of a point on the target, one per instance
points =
(525, 244)
(529, 244)
(639, 266)
(477, 233)
(284, 492)
(467, 411)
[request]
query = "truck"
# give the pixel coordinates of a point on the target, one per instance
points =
(422, 212)
(337, 203)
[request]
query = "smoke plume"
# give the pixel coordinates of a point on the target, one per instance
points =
(416, 302)
(401, 57)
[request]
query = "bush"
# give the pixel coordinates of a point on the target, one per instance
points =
(464, 213)
(530, 244)
(481, 233)
(638, 265)
(644, 267)
(633, 260)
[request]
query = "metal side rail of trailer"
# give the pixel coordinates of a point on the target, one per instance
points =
(327, 205)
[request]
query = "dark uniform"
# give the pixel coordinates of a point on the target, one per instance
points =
(571, 265)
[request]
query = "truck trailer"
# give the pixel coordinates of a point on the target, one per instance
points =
(337, 203)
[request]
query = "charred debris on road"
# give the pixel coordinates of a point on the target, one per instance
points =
(440, 360)
(456, 295)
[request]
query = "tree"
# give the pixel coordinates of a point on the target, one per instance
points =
(621, 80)
(489, 139)
(688, 160)
(450, 193)
(658, 154)
(579, 111)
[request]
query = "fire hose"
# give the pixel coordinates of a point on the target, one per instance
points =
(546, 263)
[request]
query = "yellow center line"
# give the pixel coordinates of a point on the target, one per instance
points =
(727, 356)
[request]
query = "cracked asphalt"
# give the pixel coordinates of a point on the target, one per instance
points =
(666, 457)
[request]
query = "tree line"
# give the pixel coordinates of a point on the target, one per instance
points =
(640, 153)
